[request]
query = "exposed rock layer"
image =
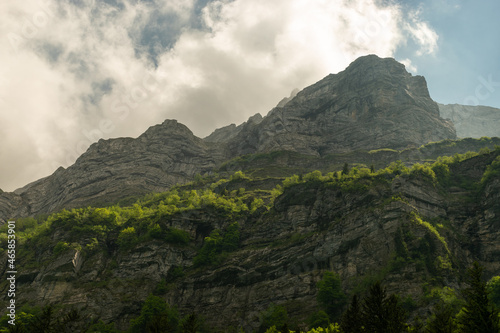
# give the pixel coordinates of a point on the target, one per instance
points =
(283, 253)
(374, 103)
(472, 121)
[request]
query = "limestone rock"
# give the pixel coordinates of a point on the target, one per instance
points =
(472, 121)
(374, 103)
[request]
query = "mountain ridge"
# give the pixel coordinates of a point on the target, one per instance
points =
(373, 104)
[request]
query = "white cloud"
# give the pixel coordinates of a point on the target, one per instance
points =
(409, 65)
(422, 34)
(77, 73)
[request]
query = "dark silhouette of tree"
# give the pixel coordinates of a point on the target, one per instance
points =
(382, 313)
(442, 320)
(478, 315)
(319, 319)
(351, 319)
(345, 169)
(191, 323)
(156, 316)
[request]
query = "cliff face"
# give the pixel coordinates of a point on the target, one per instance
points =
(472, 121)
(368, 230)
(374, 103)
(115, 169)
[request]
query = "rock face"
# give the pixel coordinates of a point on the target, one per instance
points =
(472, 121)
(374, 103)
(357, 232)
(112, 170)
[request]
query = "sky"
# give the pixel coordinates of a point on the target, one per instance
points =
(75, 71)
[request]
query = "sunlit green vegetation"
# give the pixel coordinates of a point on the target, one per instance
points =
(161, 217)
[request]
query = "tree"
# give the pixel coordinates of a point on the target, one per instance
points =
(382, 313)
(442, 320)
(478, 315)
(494, 291)
(351, 319)
(191, 323)
(319, 319)
(330, 295)
(345, 169)
(156, 316)
(275, 315)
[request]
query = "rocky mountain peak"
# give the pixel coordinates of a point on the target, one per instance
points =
(374, 103)
(168, 128)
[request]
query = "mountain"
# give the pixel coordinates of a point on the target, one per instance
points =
(375, 103)
(416, 230)
(472, 121)
(256, 214)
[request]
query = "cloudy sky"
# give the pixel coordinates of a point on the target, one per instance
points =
(74, 71)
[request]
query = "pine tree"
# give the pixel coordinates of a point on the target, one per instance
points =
(442, 320)
(345, 169)
(382, 314)
(478, 315)
(351, 319)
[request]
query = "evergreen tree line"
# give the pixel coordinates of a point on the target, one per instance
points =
(376, 312)
(379, 312)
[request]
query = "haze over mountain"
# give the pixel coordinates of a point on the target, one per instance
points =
(374, 103)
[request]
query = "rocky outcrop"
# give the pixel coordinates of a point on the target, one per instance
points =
(387, 229)
(375, 103)
(472, 121)
(117, 169)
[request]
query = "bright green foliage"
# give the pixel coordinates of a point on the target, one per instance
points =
(211, 247)
(256, 204)
(330, 295)
(156, 316)
(430, 228)
(274, 315)
(494, 290)
(239, 175)
(313, 176)
(424, 170)
(478, 315)
(398, 168)
(492, 171)
(127, 238)
(60, 248)
(290, 181)
(332, 328)
(217, 243)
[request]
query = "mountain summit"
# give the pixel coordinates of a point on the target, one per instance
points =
(374, 103)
